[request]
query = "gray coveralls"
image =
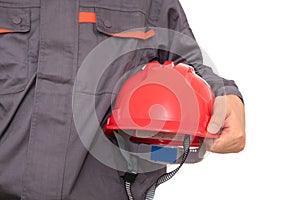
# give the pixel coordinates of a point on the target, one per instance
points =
(42, 45)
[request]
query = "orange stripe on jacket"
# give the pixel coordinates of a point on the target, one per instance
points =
(5, 31)
(87, 17)
(90, 17)
(135, 34)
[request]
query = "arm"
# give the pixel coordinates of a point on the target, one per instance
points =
(228, 115)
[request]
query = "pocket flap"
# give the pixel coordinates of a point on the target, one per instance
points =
(126, 24)
(14, 20)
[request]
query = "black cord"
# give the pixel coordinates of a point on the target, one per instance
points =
(167, 176)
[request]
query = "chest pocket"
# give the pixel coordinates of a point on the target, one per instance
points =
(14, 26)
(123, 24)
(97, 24)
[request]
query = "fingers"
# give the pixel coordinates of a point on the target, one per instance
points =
(209, 143)
(229, 119)
(231, 141)
(218, 117)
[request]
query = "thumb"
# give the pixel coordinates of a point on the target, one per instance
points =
(219, 113)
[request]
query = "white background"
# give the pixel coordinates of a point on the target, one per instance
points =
(256, 43)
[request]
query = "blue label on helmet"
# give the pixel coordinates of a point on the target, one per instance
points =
(163, 154)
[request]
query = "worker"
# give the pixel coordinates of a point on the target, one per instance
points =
(43, 46)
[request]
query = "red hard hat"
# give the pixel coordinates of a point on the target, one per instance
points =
(163, 99)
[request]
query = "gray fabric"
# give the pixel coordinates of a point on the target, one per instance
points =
(41, 155)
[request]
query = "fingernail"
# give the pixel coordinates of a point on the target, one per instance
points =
(213, 128)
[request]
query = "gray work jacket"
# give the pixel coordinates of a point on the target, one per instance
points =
(42, 46)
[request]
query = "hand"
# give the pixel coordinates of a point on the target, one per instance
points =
(228, 120)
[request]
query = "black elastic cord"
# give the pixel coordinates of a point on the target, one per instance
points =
(167, 176)
(129, 179)
(131, 175)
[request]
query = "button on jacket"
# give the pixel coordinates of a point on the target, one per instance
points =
(42, 46)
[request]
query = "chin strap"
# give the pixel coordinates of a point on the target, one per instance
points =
(129, 178)
(167, 176)
(131, 175)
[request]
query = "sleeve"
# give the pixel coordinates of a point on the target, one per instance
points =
(168, 14)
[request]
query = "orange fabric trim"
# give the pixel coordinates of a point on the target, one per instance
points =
(5, 31)
(90, 17)
(135, 34)
(87, 17)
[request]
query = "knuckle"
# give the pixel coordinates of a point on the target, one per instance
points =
(241, 136)
(240, 147)
(241, 143)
